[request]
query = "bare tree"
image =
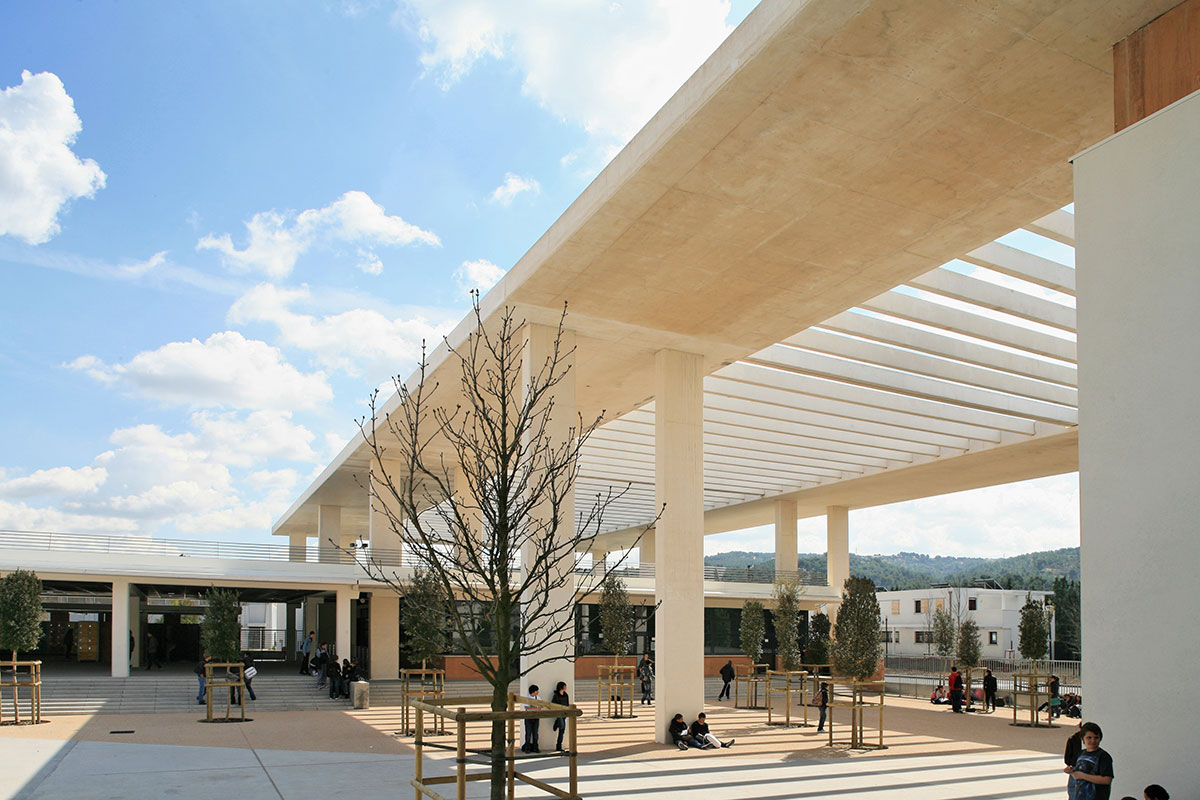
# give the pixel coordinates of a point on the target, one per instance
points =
(479, 490)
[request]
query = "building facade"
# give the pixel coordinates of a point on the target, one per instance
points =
(907, 616)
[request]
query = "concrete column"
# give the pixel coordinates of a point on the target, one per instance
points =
(837, 552)
(329, 531)
(289, 627)
(120, 629)
(539, 341)
(679, 581)
(342, 644)
(1137, 274)
(647, 556)
(785, 536)
(468, 507)
(311, 612)
(382, 535)
(297, 547)
(135, 625)
(385, 636)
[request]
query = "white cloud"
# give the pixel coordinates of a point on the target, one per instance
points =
(282, 479)
(23, 517)
(358, 341)
(369, 263)
(603, 65)
(224, 370)
(480, 274)
(275, 239)
(57, 480)
(260, 435)
(992, 522)
(39, 174)
(514, 185)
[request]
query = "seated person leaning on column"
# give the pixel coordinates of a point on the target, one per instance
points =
(680, 735)
(699, 731)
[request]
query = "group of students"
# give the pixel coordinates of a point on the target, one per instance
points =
(560, 697)
(696, 735)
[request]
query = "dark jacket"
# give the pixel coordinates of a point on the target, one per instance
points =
(989, 683)
(727, 672)
(698, 729)
(678, 729)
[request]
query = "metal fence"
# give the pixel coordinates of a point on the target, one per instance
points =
(923, 669)
(272, 639)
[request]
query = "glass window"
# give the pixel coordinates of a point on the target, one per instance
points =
(916, 606)
(993, 637)
(970, 604)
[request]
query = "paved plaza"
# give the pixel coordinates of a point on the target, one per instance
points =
(931, 754)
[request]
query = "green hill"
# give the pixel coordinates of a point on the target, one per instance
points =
(917, 570)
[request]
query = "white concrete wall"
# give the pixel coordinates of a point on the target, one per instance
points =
(1138, 258)
(996, 610)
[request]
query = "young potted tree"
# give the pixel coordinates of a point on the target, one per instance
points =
(20, 629)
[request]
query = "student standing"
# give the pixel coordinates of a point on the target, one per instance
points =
(645, 672)
(560, 697)
(956, 690)
(531, 725)
(1093, 770)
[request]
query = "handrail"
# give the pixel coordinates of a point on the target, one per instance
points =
(314, 554)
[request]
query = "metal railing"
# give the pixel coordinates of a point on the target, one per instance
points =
(274, 639)
(935, 668)
(194, 548)
(189, 548)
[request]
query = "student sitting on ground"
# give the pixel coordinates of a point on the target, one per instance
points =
(680, 735)
(700, 733)
(938, 696)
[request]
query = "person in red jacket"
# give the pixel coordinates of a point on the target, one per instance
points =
(956, 690)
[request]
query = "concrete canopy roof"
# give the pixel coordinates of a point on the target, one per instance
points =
(827, 152)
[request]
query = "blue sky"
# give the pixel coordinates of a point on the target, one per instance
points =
(223, 224)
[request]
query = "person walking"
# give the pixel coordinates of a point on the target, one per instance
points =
(561, 698)
(248, 673)
(989, 691)
(152, 659)
(645, 673)
(822, 699)
(727, 676)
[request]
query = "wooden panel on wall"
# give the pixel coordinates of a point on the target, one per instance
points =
(1157, 64)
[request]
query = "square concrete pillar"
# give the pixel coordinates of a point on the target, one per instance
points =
(329, 533)
(385, 636)
(297, 547)
(785, 536)
(120, 629)
(383, 538)
(135, 626)
(1138, 280)
(837, 552)
(342, 644)
(539, 343)
(679, 580)
(647, 556)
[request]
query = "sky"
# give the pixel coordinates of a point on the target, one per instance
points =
(222, 225)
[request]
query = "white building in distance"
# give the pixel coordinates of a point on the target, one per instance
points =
(908, 616)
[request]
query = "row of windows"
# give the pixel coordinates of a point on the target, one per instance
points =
(926, 637)
(919, 606)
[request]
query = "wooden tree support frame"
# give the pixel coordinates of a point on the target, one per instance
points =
(15, 680)
(858, 697)
(751, 676)
(233, 677)
(461, 717)
(787, 683)
(421, 684)
(1033, 686)
(616, 682)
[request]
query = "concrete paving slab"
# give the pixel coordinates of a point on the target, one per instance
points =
(246, 783)
(90, 759)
